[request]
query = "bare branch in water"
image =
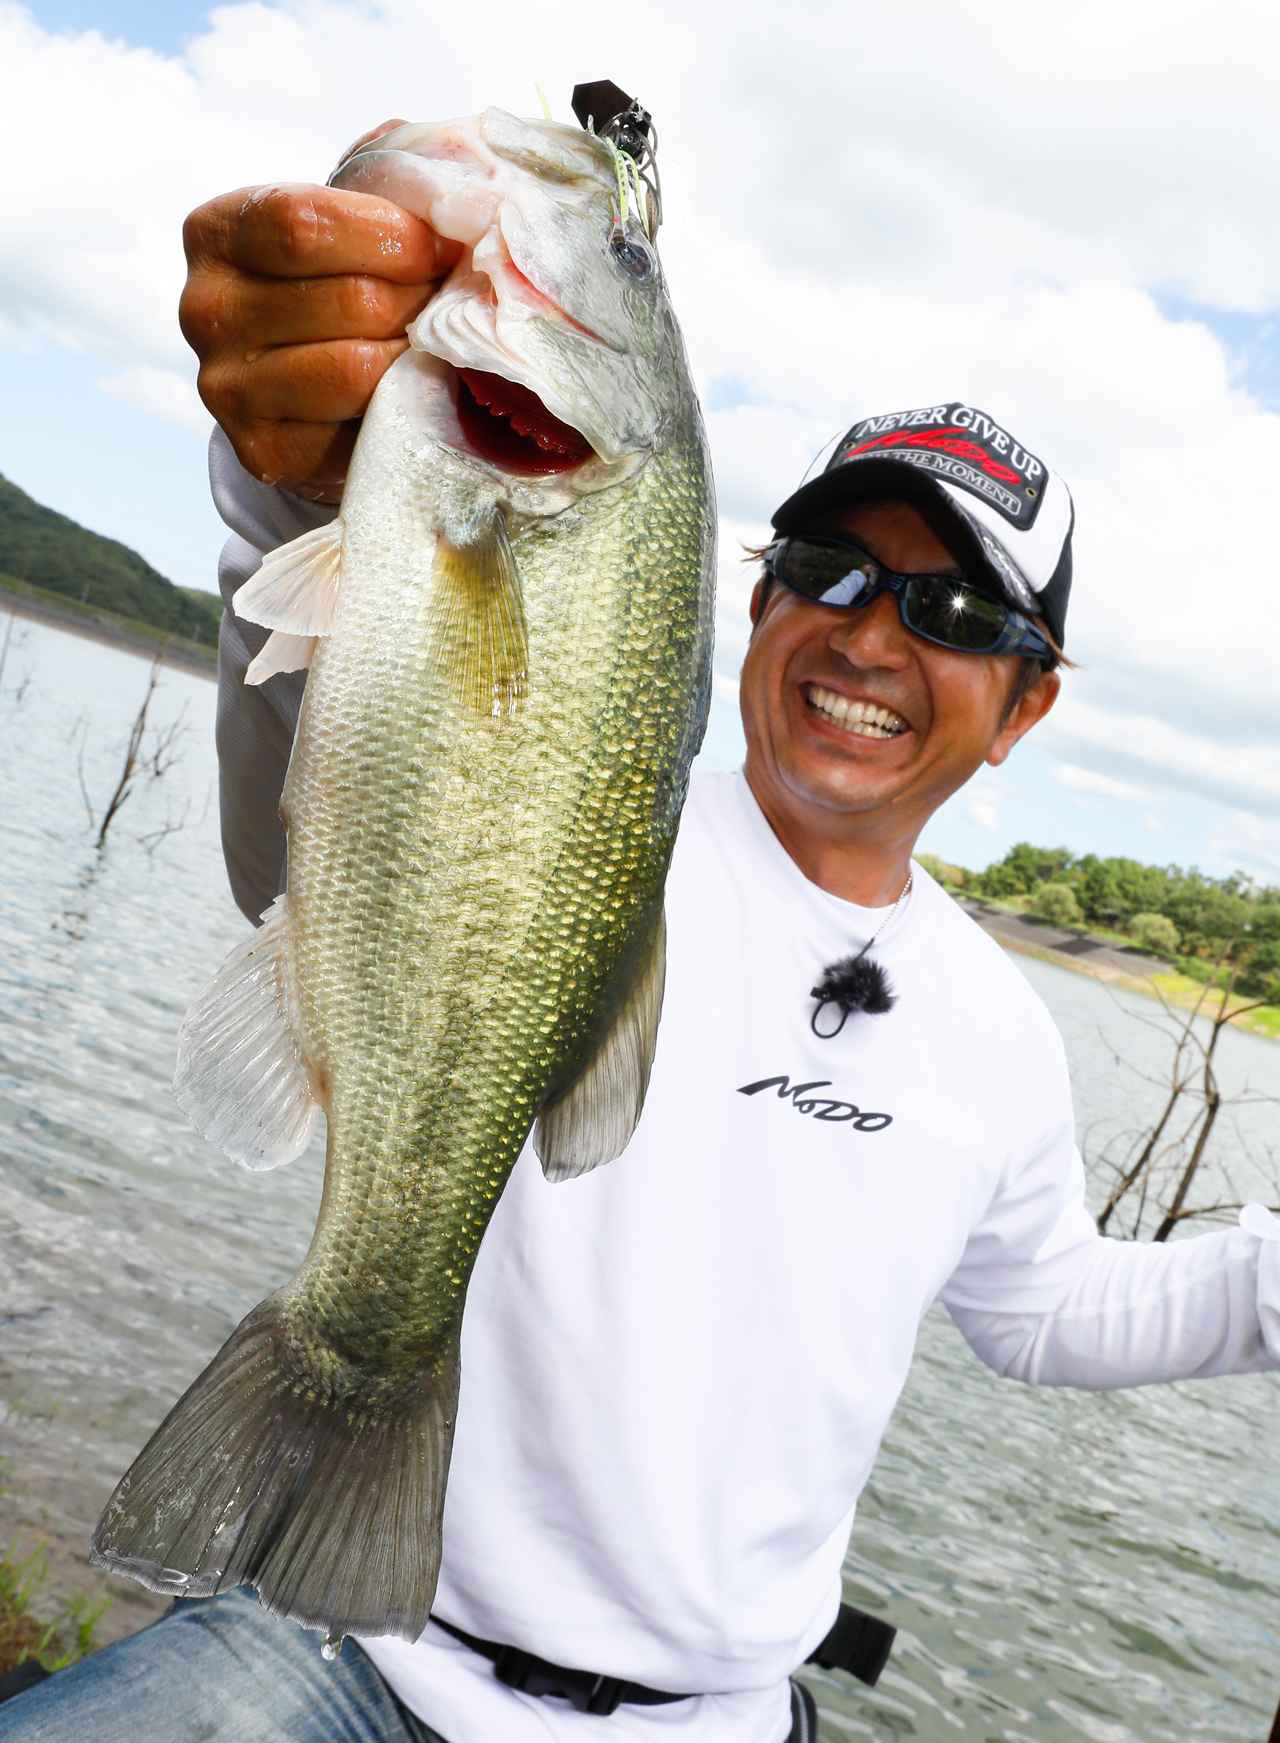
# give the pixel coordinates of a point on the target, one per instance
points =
(153, 758)
(1172, 1152)
(171, 826)
(84, 790)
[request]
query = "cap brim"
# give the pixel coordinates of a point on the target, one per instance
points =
(889, 481)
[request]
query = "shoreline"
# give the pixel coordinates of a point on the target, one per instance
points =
(1178, 991)
(109, 630)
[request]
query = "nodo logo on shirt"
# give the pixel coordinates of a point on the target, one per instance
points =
(818, 1107)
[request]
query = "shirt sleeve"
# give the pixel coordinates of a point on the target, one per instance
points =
(255, 722)
(1041, 1296)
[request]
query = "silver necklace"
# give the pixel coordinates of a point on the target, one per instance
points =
(857, 983)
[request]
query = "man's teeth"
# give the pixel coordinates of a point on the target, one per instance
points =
(866, 719)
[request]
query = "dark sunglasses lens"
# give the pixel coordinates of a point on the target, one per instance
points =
(825, 573)
(949, 612)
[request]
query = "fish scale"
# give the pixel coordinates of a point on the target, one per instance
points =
(509, 679)
(613, 832)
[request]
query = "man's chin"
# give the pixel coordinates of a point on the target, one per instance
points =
(849, 788)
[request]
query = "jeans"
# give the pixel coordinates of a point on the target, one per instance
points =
(214, 1670)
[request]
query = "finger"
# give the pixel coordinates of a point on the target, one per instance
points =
(323, 384)
(311, 459)
(304, 231)
(294, 311)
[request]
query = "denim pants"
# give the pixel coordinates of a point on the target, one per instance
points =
(214, 1670)
(223, 1670)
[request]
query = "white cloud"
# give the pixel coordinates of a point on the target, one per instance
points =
(1093, 781)
(982, 231)
(983, 805)
(163, 392)
(1246, 774)
(1251, 844)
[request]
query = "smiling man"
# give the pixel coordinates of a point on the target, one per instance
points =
(895, 658)
(677, 1370)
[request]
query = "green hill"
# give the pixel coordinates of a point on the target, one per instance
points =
(50, 551)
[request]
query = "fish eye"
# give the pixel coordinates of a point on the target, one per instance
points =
(632, 253)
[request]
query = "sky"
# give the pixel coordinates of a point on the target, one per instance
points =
(1061, 216)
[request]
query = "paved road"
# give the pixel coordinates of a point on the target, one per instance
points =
(1091, 953)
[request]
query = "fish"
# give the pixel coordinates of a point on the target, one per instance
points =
(507, 632)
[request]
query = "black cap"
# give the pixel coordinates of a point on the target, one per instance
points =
(1009, 514)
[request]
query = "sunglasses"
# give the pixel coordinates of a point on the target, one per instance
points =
(942, 609)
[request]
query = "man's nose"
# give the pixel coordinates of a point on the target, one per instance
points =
(872, 635)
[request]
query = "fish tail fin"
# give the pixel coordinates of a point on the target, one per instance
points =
(331, 1509)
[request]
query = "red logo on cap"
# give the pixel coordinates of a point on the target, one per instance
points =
(947, 443)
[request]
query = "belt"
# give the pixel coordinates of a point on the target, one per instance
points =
(856, 1642)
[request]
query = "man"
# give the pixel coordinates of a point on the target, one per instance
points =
(677, 1370)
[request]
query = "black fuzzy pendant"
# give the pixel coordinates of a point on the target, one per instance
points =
(856, 983)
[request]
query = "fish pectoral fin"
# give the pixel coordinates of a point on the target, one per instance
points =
(592, 1121)
(281, 652)
(477, 627)
(295, 588)
(241, 1076)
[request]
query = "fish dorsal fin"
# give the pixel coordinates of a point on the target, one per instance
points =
(295, 588)
(476, 620)
(593, 1120)
(241, 1076)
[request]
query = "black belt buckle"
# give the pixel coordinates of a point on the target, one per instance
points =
(585, 1692)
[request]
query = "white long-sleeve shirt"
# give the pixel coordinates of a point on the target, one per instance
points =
(677, 1371)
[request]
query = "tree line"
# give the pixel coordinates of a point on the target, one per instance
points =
(1217, 929)
(47, 549)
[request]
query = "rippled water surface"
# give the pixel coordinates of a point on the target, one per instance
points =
(1060, 1565)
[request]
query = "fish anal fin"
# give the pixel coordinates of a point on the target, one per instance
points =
(592, 1121)
(241, 1076)
(477, 626)
(295, 588)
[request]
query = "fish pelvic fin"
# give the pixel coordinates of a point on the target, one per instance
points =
(295, 587)
(260, 1475)
(592, 1121)
(478, 637)
(281, 652)
(293, 593)
(241, 1076)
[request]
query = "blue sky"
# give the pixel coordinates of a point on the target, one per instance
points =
(112, 467)
(138, 476)
(164, 25)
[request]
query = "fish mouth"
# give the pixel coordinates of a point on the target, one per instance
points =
(507, 424)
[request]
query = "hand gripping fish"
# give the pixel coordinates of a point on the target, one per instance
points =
(508, 630)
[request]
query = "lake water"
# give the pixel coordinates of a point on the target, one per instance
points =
(1060, 1565)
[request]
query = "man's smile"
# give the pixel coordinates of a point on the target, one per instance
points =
(861, 717)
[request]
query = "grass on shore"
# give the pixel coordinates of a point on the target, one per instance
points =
(37, 1623)
(128, 628)
(1185, 992)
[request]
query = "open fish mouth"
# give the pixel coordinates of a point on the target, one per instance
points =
(507, 424)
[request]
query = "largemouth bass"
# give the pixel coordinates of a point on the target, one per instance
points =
(509, 636)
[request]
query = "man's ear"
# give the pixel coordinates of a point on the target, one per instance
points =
(1030, 709)
(759, 593)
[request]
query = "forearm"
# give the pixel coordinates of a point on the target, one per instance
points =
(256, 723)
(1137, 1313)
